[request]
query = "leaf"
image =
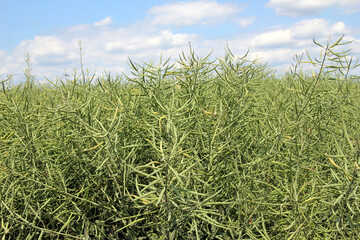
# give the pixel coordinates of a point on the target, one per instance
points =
(337, 42)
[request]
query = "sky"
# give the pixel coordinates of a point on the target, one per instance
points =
(112, 31)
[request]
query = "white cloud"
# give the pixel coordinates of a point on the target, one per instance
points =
(350, 6)
(317, 28)
(356, 47)
(310, 28)
(244, 22)
(299, 34)
(188, 13)
(280, 45)
(341, 28)
(44, 45)
(104, 49)
(273, 38)
(48, 51)
(297, 8)
(162, 39)
(276, 56)
(105, 22)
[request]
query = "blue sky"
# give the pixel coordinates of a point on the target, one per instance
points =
(112, 31)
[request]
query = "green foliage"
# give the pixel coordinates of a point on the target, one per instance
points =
(196, 150)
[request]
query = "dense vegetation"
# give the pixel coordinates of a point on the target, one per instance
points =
(195, 150)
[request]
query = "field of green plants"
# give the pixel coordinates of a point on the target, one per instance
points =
(200, 149)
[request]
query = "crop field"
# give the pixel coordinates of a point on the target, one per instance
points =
(202, 149)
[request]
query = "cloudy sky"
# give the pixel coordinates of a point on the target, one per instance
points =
(111, 31)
